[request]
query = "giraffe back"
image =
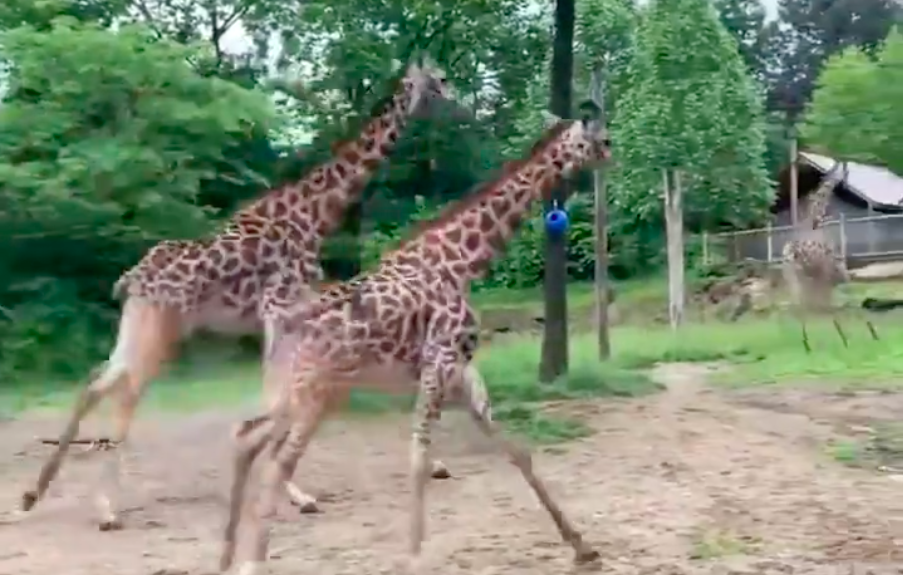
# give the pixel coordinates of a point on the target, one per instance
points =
(373, 328)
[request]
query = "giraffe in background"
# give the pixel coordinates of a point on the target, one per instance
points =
(236, 282)
(406, 325)
(811, 266)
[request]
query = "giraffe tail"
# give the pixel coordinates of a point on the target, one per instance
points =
(146, 339)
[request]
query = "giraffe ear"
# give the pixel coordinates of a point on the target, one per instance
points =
(549, 119)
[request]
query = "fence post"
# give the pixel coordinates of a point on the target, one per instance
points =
(600, 195)
(794, 177)
(769, 231)
(843, 236)
(872, 236)
(705, 248)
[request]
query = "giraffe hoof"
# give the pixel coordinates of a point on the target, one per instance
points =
(441, 473)
(29, 499)
(587, 555)
(110, 525)
(225, 560)
(308, 508)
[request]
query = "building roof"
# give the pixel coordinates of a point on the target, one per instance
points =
(872, 184)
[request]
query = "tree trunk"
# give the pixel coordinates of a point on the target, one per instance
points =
(674, 224)
(555, 333)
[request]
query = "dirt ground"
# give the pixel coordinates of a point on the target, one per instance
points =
(690, 481)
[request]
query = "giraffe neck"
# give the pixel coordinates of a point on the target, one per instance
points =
(466, 243)
(818, 204)
(320, 199)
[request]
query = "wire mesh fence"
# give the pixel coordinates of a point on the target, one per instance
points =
(857, 240)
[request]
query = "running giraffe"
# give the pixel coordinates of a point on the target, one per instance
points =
(236, 282)
(406, 325)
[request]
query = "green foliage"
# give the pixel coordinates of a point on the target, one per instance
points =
(692, 106)
(113, 138)
(809, 32)
(47, 330)
(745, 21)
(605, 37)
(108, 140)
(855, 111)
(115, 128)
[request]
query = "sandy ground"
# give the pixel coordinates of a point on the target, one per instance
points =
(691, 481)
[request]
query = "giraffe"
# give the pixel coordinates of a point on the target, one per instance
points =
(811, 267)
(405, 325)
(235, 283)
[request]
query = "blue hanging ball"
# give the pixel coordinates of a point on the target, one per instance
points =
(556, 221)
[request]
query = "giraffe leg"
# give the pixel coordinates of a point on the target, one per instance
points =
(108, 377)
(843, 336)
(304, 501)
(307, 503)
(802, 319)
(288, 442)
(147, 335)
(427, 411)
(107, 498)
(276, 380)
(481, 412)
(872, 330)
(248, 448)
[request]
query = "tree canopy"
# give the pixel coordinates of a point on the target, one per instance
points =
(123, 122)
(690, 105)
(855, 111)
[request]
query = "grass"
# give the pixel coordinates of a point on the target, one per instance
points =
(882, 447)
(762, 351)
(770, 350)
(510, 371)
(715, 543)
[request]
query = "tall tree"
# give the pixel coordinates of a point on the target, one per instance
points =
(809, 32)
(745, 21)
(693, 106)
(555, 333)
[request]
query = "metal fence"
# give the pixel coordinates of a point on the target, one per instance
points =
(858, 240)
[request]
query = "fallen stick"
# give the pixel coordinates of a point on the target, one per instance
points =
(100, 441)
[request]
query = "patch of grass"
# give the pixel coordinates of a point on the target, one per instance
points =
(542, 429)
(770, 350)
(883, 447)
(511, 369)
(846, 451)
(715, 543)
(579, 295)
(642, 292)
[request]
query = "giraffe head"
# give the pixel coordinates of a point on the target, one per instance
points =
(582, 144)
(422, 84)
